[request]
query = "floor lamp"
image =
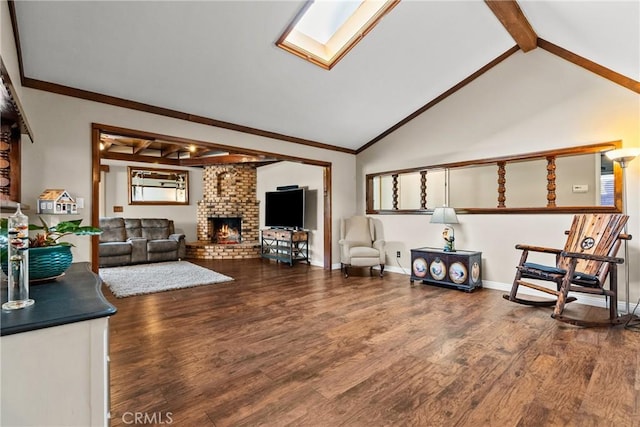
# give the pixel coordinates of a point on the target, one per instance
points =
(623, 156)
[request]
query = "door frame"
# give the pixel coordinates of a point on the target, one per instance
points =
(97, 129)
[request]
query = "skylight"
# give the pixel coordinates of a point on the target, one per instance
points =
(325, 30)
(324, 18)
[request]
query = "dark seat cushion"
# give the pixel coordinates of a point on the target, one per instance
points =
(115, 248)
(582, 279)
(162, 245)
(544, 268)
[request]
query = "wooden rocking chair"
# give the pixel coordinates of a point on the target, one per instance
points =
(588, 258)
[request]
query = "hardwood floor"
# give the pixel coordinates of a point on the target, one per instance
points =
(306, 347)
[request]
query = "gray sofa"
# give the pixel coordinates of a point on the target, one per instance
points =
(138, 240)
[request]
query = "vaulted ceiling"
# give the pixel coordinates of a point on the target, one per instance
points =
(215, 62)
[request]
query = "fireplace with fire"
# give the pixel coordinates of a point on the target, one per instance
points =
(225, 230)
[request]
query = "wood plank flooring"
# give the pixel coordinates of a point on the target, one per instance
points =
(302, 346)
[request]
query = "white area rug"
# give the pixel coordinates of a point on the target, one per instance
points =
(157, 277)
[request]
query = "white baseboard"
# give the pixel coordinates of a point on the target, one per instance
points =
(594, 301)
(317, 263)
(386, 268)
(394, 269)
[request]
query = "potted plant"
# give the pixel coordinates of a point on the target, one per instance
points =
(49, 257)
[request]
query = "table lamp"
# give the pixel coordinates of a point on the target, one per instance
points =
(446, 215)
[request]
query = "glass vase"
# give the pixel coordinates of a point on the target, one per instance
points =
(18, 259)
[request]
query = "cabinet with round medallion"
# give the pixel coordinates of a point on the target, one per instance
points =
(458, 269)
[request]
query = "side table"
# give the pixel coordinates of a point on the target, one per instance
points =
(459, 269)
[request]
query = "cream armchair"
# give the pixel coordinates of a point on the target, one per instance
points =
(361, 245)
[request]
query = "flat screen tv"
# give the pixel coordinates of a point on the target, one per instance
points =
(284, 208)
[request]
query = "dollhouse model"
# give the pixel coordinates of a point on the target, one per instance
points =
(53, 201)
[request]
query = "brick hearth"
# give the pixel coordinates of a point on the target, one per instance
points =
(229, 191)
(205, 250)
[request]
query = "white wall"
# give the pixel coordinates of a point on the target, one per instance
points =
(288, 173)
(61, 154)
(62, 151)
(530, 102)
(115, 186)
(476, 186)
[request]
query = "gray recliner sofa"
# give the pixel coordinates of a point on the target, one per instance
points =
(138, 240)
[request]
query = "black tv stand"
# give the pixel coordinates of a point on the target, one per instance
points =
(285, 245)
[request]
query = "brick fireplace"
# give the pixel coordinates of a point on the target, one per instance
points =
(226, 231)
(228, 216)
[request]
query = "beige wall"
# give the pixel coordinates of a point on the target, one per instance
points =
(115, 193)
(530, 102)
(476, 186)
(62, 151)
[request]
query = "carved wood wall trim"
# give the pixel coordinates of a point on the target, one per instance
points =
(395, 191)
(551, 181)
(501, 164)
(501, 184)
(423, 189)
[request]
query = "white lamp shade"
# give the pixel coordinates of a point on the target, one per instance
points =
(623, 155)
(444, 215)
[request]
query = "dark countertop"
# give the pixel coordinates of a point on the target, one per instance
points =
(74, 297)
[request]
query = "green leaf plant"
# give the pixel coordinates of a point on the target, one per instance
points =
(50, 235)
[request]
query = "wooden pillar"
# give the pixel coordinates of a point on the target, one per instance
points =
(501, 184)
(395, 191)
(369, 196)
(551, 181)
(423, 189)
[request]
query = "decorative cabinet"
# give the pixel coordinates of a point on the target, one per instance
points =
(285, 245)
(459, 269)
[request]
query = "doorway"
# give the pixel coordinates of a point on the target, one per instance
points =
(111, 142)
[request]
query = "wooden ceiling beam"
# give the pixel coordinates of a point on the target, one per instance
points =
(196, 152)
(223, 160)
(107, 141)
(510, 15)
(122, 141)
(587, 64)
(140, 145)
(106, 144)
(174, 148)
(139, 158)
